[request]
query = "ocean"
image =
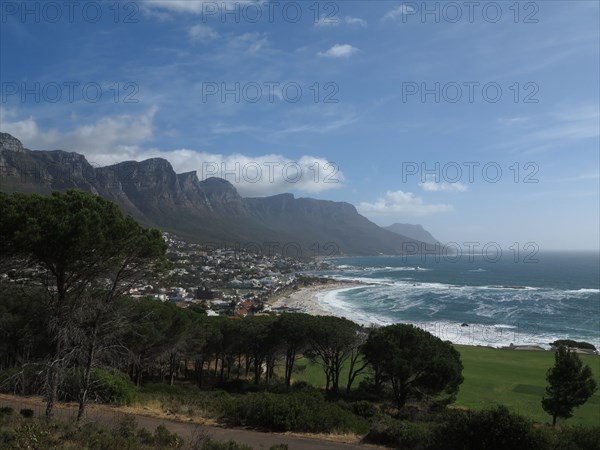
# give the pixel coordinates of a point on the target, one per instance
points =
(474, 301)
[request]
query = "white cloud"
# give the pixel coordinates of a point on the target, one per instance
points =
(355, 21)
(193, 6)
(202, 33)
(400, 202)
(262, 175)
(107, 139)
(398, 12)
(250, 42)
(433, 186)
(325, 21)
(114, 139)
(339, 51)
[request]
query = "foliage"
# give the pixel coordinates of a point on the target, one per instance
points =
(573, 344)
(332, 342)
(416, 363)
(400, 434)
(570, 384)
(107, 386)
(26, 412)
(292, 412)
(492, 429)
(575, 438)
(366, 409)
(84, 252)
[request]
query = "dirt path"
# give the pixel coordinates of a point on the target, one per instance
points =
(108, 416)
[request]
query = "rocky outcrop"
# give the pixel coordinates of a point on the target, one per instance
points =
(208, 210)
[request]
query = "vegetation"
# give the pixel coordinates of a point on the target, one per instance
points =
(570, 385)
(30, 433)
(516, 379)
(573, 344)
(84, 254)
(68, 330)
(416, 363)
(490, 429)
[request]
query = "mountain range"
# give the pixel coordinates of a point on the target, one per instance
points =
(210, 211)
(411, 231)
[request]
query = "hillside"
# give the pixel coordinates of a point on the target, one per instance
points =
(208, 210)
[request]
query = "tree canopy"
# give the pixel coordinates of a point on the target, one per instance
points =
(570, 384)
(84, 252)
(416, 363)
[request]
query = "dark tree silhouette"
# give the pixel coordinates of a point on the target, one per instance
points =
(415, 362)
(85, 253)
(570, 384)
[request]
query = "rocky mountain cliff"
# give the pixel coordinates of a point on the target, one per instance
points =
(416, 232)
(210, 210)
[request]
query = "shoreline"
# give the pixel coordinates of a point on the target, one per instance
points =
(306, 300)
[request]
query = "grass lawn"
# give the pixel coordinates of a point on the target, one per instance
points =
(515, 378)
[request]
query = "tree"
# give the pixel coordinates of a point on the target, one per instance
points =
(416, 363)
(570, 384)
(293, 330)
(332, 342)
(85, 253)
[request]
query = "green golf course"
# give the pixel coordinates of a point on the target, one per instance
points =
(514, 378)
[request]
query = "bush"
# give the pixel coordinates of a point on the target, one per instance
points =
(493, 429)
(26, 380)
(364, 409)
(573, 344)
(6, 411)
(292, 412)
(400, 434)
(164, 438)
(575, 438)
(107, 386)
(27, 413)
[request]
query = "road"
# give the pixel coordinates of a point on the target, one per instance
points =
(108, 416)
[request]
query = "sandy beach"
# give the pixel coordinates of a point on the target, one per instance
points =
(305, 299)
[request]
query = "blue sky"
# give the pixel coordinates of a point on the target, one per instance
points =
(408, 110)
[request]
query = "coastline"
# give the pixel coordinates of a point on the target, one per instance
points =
(305, 299)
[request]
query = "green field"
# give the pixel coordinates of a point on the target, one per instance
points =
(515, 378)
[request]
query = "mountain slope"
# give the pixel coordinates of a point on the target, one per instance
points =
(416, 232)
(207, 211)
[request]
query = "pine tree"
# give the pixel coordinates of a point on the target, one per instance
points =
(570, 385)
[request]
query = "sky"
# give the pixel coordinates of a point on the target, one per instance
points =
(478, 120)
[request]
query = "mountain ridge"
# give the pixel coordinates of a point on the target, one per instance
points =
(416, 232)
(209, 210)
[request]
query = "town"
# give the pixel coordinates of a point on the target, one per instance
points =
(227, 281)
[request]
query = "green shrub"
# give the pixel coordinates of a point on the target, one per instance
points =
(164, 438)
(492, 429)
(575, 438)
(106, 386)
(365, 409)
(292, 412)
(401, 434)
(27, 413)
(6, 411)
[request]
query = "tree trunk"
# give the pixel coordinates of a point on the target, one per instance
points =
(87, 373)
(53, 380)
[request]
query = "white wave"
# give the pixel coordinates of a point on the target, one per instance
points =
(583, 291)
(477, 270)
(511, 287)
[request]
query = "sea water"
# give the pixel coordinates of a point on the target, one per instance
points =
(475, 301)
